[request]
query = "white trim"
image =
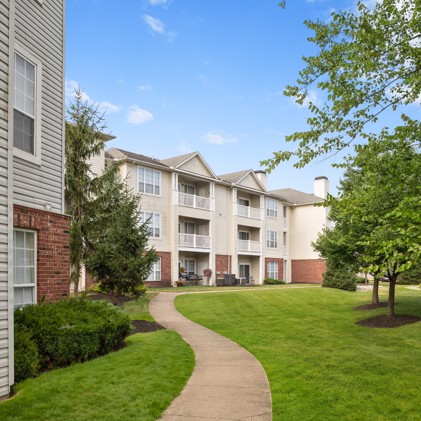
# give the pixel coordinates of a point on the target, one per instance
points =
(34, 284)
(36, 157)
(268, 240)
(139, 167)
(143, 216)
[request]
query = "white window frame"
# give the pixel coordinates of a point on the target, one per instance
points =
(271, 208)
(25, 285)
(150, 218)
(242, 201)
(155, 173)
(272, 270)
(185, 264)
(155, 275)
(271, 239)
(36, 156)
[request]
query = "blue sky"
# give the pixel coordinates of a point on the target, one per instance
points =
(176, 76)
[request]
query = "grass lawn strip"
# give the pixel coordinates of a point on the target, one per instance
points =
(320, 363)
(136, 383)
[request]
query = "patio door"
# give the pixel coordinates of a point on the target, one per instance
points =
(244, 271)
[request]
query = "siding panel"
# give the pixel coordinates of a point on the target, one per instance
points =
(5, 382)
(36, 185)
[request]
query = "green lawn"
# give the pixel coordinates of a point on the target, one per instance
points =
(136, 383)
(320, 364)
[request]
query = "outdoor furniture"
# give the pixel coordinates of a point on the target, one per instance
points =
(190, 278)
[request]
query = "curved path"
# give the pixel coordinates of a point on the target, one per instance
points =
(227, 383)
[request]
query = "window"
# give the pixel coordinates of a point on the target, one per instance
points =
(244, 235)
(26, 108)
(285, 211)
(153, 221)
(271, 208)
(244, 202)
(187, 228)
(155, 274)
(272, 270)
(24, 267)
(272, 239)
(149, 181)
(189, 265)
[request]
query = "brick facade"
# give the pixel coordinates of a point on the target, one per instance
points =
(280, 267)
(308, 271)
(53, 250)
(165, 271)
(221, 265)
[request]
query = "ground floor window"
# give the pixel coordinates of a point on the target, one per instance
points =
(189, 265)
(24, 267)
(155, 274)
(272, 270)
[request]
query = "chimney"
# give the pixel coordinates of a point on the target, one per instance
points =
(263, 177)
(321, 186)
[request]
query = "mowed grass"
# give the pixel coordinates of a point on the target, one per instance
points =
(135, 383)
(320, 364)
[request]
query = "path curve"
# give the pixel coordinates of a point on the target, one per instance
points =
(227, 383)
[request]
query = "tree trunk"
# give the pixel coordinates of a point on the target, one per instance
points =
(391, 303)
(375, 293)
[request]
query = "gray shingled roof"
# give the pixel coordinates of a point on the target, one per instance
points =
(177, 160)
(115, 153)
(296, 197)
(234, 177)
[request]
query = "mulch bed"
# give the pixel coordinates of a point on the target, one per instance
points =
(370, 306)
(145, 326)
(388, 322)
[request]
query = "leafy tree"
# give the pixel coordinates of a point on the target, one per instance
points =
(377, 213)
(118, 255)
(367, 62)
(82, 142)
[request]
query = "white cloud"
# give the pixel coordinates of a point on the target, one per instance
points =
(185, 147)
(138, 115)
(108, 107)
(71, 87)
(219, 138)
(158, 2)
(311, 97)
(155, 25)
(143, 88)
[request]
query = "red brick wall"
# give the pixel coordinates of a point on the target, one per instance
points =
(53, 250)
(308, 270)
(280, 266)
(165, 271)
(221, 265)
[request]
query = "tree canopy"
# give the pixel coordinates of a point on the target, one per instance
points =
(368, 61)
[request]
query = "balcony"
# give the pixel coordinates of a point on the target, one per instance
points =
(249, 212)
(194, 241)
(248, 246)
(193, 201)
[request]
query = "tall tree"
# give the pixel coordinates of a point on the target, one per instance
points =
(367, 62)
(84, 124)
(118, 255)
(377, 212)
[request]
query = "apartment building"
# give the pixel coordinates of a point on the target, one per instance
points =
(229, 223)
(34, 232)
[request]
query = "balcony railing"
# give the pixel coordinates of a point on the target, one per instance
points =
(249, 212)
(193, 201)
(249, 246)
(194, 241)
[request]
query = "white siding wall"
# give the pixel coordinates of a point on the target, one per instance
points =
(305, 224)
(39, 29)
(6, 315)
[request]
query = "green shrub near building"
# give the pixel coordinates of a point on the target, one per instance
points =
(64, 333)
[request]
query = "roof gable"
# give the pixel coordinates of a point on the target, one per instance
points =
(245, 178)
(192, 163)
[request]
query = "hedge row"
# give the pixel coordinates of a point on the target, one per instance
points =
(66, 332)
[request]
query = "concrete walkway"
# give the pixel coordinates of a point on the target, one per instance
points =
(227, 383)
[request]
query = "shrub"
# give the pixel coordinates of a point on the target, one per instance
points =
(340, 278)
(72, 331)
(272, 281)
(26, 355)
